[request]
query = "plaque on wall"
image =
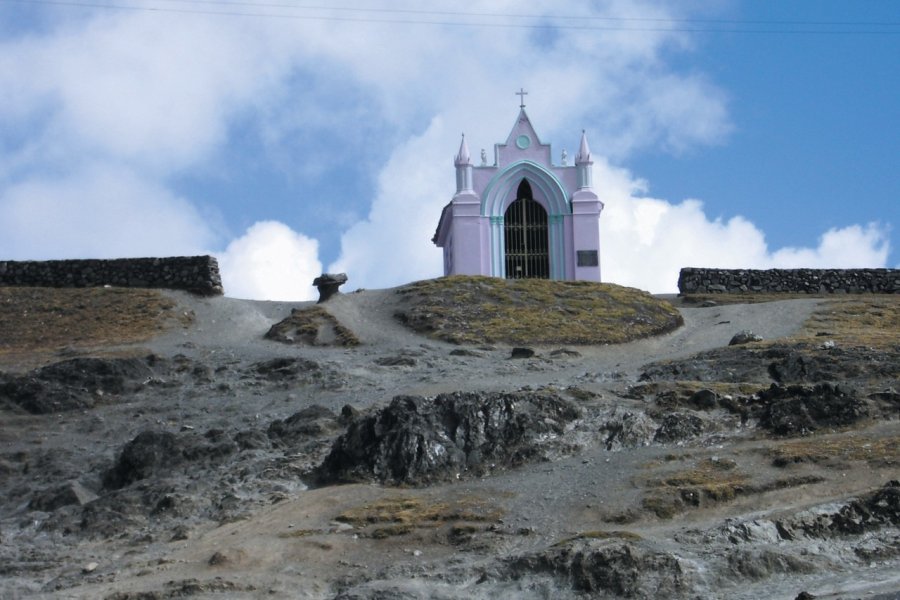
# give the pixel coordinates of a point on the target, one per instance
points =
(587, 258)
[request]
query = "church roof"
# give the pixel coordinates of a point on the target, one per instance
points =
(522, 126)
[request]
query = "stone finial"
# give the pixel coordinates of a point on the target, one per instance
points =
(584, 151)
(328, 284)
(463, 157)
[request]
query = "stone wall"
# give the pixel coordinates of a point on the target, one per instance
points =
(197, 274)
(811, 281)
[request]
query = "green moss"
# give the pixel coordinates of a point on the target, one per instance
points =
(477, 310)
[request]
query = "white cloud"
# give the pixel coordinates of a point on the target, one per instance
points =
(99, 212)
(393, 245)
(137, 87)
(645, 241)
(270, 262)
(848, 247)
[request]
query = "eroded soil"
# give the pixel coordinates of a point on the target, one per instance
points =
(207, 461)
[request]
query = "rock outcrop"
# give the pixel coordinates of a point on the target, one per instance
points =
(417, 440)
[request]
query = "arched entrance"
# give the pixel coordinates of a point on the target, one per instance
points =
(526, 237)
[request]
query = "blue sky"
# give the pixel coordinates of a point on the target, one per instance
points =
(289, 139)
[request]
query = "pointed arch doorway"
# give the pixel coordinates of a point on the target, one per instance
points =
(526, 237)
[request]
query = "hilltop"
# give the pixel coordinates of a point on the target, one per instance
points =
(387, 444)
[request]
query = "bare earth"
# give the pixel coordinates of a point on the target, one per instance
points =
(248, 525)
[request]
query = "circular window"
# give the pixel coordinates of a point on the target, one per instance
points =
(523, 141)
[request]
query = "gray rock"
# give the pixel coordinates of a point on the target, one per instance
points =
(328, 284)
(676, 427)
(71, 493)
(798, 410)
(744, 337)
(415, 440)
(310, 422)
(159, 452)
(704, 399)
(612, 568)
(75, 384)
(520, 352)
(396, 361)
(627, 429)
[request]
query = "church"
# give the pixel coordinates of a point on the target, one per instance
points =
(522, 216)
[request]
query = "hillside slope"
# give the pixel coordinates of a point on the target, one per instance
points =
(193, 457)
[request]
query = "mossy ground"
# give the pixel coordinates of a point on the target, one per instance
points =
(313, 326)
(399, 515)
(36, 321)
(837, 450)
(478, 310)
(868, 319)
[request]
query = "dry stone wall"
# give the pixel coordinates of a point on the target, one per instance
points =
(811, 281)
(196, 274)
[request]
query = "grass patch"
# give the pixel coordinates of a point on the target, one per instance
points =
(313, 326)
(862, 319)
(395, 516)
(879, 452)
(865, 320)
(476, 310)
(44, 320)
(709, 481)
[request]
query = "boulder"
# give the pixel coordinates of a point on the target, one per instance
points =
(328, 284)
(71, 493)
(75, 384)
(156, 453)
(611, 568)
(744, 337)
(417, 440)
(676, 427)
(799, 410)
(310, 422)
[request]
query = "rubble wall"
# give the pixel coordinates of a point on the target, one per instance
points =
(196, 274)
(811, 281)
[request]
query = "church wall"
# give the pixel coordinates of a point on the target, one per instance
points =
(585, 238)
(197, 274)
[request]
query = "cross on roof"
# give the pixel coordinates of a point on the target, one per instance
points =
(521, 94)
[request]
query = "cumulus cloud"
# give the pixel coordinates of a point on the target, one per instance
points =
(99, 212)
(134, 87)
(270, 262)
(393, 245)
(646, 241)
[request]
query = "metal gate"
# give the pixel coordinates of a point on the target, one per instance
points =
(526, 238)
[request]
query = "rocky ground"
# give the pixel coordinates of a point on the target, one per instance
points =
(345, 456)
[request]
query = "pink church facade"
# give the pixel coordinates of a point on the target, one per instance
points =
(522, 216)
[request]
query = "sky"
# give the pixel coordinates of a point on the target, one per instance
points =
(291, 138)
